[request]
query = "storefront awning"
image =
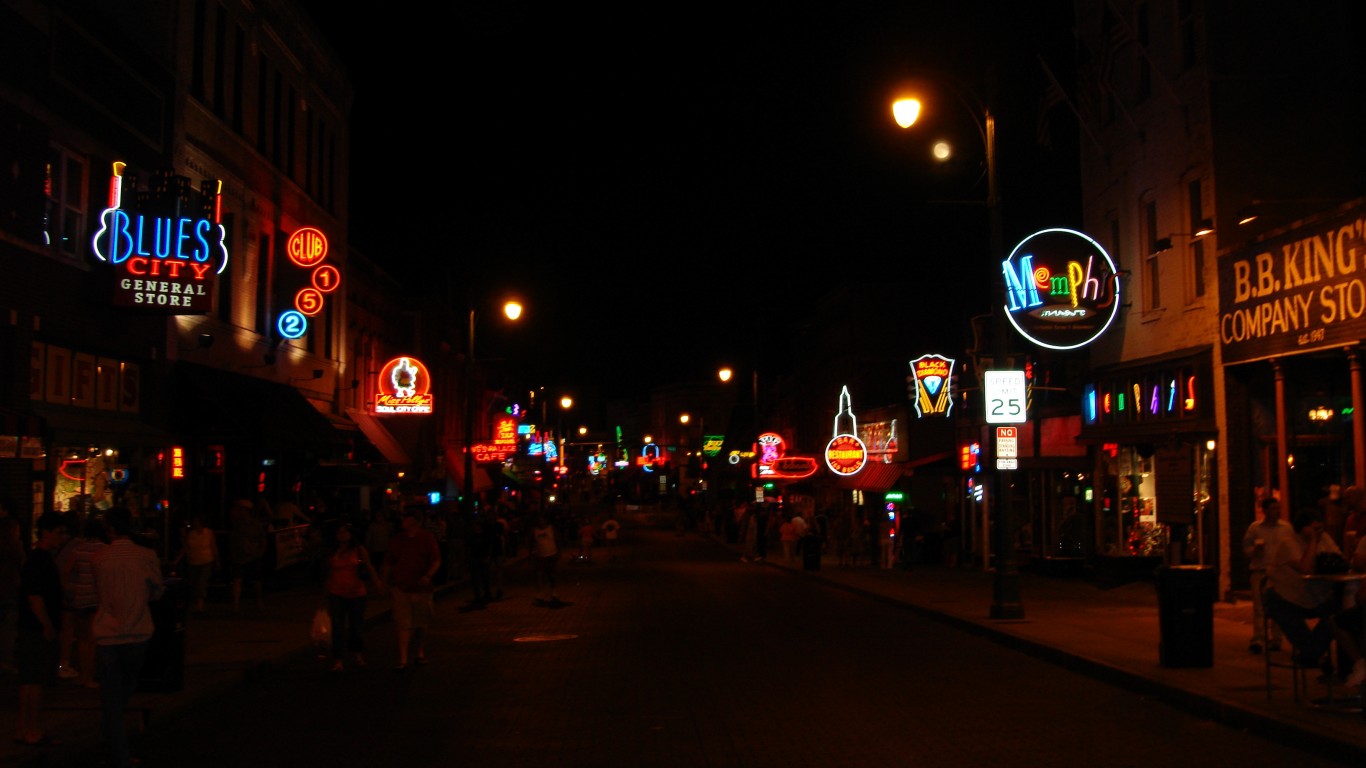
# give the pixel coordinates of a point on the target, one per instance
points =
(73, 426)
(379, 435)
(214, 405)
(874, 478)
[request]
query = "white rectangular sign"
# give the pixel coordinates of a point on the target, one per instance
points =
(1006, 397)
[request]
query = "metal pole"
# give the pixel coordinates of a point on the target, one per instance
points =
(467, 492)
(1005, 585)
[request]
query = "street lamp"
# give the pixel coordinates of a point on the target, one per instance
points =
(566, 402)
(1005, 589)
(512, 310)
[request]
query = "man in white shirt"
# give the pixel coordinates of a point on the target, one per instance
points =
(1259, 543)
(1292, 600)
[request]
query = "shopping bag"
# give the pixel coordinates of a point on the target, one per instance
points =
(322, 627)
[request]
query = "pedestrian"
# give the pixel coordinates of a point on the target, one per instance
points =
(410, 566)
(886, 536)
(479, 543)
(127, 579)
(1292, 601)
(545, 553)
(787, 534)
(12, 556)
(587, 535)
(247, 551)
(39, 627)
(65, 558)
(611, 529)
(761, 532)
(1354, 517)
(348, 568)
(377, 535)
(1260, 541)
(840, 529)
(200, 555)
(500, 534)
(84, 598)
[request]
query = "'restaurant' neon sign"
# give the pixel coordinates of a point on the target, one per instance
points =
(163, 261)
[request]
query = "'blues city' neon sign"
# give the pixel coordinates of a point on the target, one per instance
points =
(164, 262)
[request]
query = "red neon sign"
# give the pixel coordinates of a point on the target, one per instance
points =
(404, 387)
(307, 246)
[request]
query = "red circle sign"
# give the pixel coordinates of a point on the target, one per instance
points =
(845, 455)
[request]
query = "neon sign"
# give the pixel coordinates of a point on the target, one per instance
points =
(163, 261)
(1062, 289)
(405, 387)
(845, 454)
(933, 377)
(307, 247)
(504, 442)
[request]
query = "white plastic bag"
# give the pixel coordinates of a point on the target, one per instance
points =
(322, 627)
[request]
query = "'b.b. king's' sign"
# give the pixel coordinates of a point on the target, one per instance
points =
(164, 259)
(1062, 290)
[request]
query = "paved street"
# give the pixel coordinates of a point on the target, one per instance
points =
(678, 654)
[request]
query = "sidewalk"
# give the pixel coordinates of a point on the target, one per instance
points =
(1110, 634)
(1113, 635)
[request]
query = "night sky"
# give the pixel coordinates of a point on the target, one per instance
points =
(666, 184)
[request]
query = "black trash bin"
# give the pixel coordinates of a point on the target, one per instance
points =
(1185, 611)
(163, 670)
(811, 552)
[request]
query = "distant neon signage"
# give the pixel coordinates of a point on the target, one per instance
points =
(504, 442)
(1062, 289)
(771, 448)
(405, 387)
(845, 454)
(164, 262)
(933, 377)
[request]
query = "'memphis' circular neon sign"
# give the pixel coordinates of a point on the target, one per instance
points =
(1062, 289)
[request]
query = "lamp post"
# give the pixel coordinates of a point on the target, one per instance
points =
(1005, 587)
(513, 311)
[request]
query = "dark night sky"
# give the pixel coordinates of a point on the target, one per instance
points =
(665, 184)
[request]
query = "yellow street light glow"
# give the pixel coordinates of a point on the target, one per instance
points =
(906, 112)
(566, 402)
(942, 150)
(725, 374)
(513, 310)
(684, 418)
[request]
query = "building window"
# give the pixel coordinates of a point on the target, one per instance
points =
(1196, 249)
(1187, 52)
(64, 224)
(1152, 282)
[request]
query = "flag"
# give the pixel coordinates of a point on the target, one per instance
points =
(1052, 97)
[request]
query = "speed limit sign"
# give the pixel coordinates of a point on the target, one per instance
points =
(1005, 396)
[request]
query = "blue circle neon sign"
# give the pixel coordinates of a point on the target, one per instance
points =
(292, 324)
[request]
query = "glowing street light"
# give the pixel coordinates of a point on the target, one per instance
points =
(1005, 602)
(512, 310)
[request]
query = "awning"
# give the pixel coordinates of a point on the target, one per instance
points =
(222, 406)
(86, 425)
(875, 478)
(380, 436)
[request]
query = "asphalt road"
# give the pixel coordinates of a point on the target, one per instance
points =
(677, 654)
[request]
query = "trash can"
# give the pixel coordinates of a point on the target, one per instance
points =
(1185, 611)
(811, 553)
(163, 670)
